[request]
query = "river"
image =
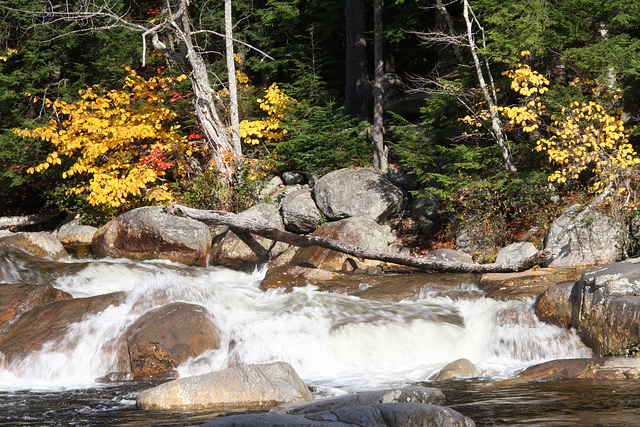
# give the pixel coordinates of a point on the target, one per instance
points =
(337, 343)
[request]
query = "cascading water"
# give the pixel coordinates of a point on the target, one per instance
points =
(331, 339)
(335, 342)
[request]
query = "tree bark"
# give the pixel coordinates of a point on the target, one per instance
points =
(214, 217)
(381, 154)
(357, 96)
(231, 71)
(496, 123)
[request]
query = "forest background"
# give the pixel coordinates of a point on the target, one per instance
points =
(562, 78)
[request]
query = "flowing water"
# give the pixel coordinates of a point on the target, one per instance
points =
(337, 344)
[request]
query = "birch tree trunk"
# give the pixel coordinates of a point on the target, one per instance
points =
(496, 123)
(381, 154)
(231, 70)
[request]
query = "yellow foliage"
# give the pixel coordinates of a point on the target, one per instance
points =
(118, 139)
(275, 103)
(586, 136)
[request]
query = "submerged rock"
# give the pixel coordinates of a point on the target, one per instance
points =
(376, 415)
(49, 323)
(246, 387)
(149, 233)
(163, 338)
(16, 299)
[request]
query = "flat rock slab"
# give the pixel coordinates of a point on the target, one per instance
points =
(526, 284)
(377, 415)
(247, 387)
(603, 368)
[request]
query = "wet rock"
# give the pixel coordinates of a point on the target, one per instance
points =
(247, 250)
(603, 368)
(293, 275)
(246, 387)
(360, 231)
(357, 192)
(40, 244)
(554, 305)
(525, 284)
(415, 394)
(377, 415)
(16, 299)
(457, 369)
(163, 338)
(516, 252)
(606, 309)
(595, 240)
(300, 213)
(49, 322)
(149, 233)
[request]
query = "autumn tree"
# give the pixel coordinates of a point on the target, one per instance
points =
(121, 143)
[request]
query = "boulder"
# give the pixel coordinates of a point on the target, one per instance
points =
(603, 368)
(605, 309)
(49, 322)
(40, 244)
(407, 414)
(247, 387)
(300, 213)
(450, 255)
(149, 233)
(357, 192)
(525, 284)
(554, 305)
(360, 231)
(516, 252)
(596, 239)
(163, 338)
(294, 178)
(16, 299)
(246, 251)
(76, 237)
(457, 369)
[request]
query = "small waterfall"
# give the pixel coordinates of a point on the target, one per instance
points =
(332, 340)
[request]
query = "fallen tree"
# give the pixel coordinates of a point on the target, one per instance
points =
(216, 217)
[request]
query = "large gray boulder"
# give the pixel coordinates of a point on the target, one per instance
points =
(246, 387)
(242, 252)
(603, 307)
(516, 252)
(595, 239)
(299, 212)
(360, 231)
(357, 192)
(150, 233)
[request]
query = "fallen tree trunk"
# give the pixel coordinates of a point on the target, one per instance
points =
(214, 217)
(16, 221)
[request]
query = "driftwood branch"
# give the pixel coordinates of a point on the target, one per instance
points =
(215, 217)
(18, 221)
